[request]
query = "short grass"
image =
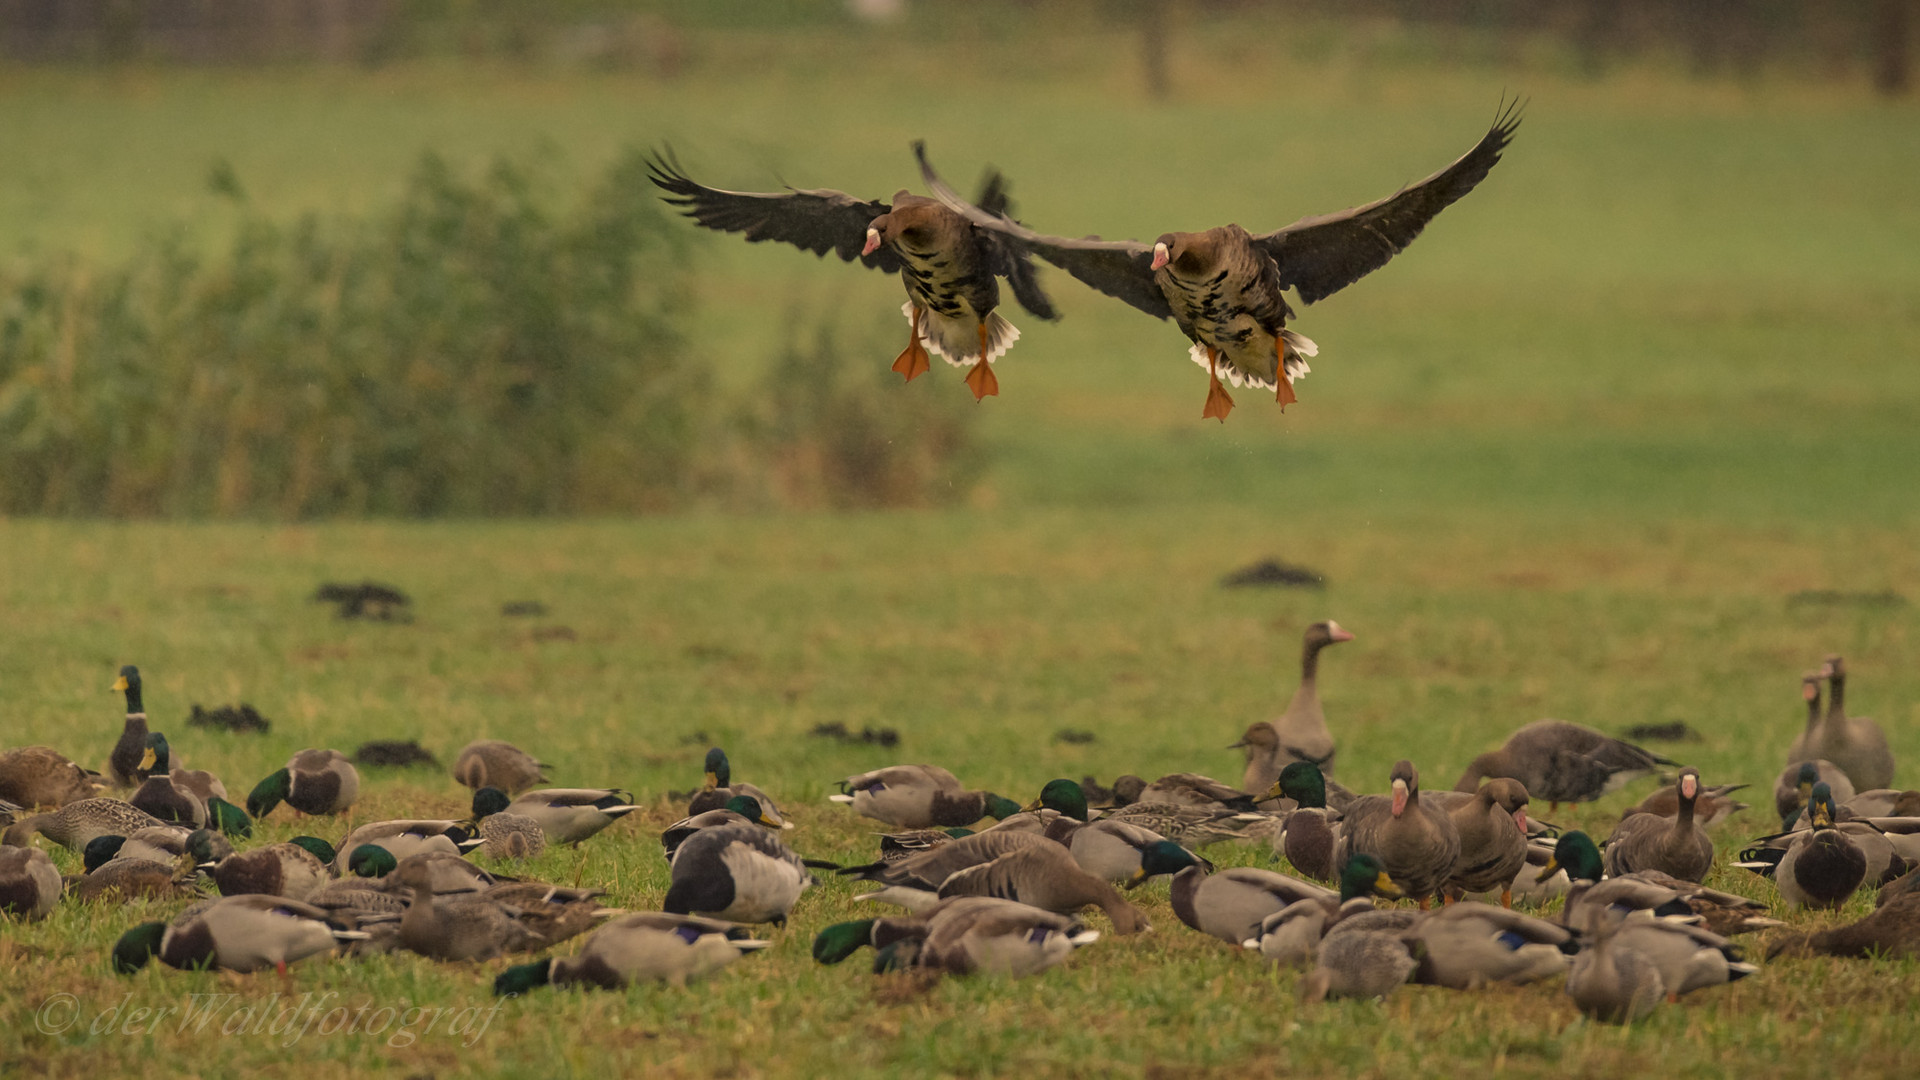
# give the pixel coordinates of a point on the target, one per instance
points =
(1572, 455)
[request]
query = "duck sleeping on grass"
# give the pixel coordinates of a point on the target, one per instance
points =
(638, 947)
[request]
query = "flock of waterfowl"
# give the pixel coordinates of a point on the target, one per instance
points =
(1634, 926)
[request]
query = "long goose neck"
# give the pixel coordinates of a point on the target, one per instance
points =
(1683, 819)
(1310, 664)
(1836, 695)
(1124, 916)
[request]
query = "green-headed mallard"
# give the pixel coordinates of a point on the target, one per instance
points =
(1576, 856)
(1854, 743)
(1306, 837)
(235, 933)
(1293, 934)
(720, 789)
(313, 782)
(1109, 850)
(1562, 763)
(440, 872)
(1228, 904)
(74, 824)
(1492, 825)
(1823, 865)
(741, 809)
(1795, 786)
(1415, 841)
(1469, 945)
(570, 815)
(740, 873)
(29, 883)
(919, 797)
(178, 796)
(295, 869)
(37, 776)
(642, 946)
(123, 762)
(962, 936)
(1676, 845)
(405, 837)
(497, 764)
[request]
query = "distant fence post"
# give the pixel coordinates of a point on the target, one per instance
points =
(1893, 47)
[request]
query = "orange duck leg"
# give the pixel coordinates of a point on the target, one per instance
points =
(1283, 387)
(913, 361)
(1219, 404)
(981, 379)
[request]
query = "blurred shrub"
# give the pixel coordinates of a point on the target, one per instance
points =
(470, 351)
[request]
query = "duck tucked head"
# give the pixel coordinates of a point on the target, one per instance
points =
(316, 847)
(719, 772)
(137, 946)
(1363, 875)
(371, 860)
(999, 806)
(1574, 851)
(488, 801)
(100, 850)
(1302, 782)
(522, 978)
(1820, 810)
(1066, 796)
(269, 793)
(1163, 857)
(841, 940)
(223, 816)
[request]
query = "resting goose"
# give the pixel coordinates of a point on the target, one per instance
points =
(740, 873)
(919, 797)
(720, 789)
(233, 933)
(950, 267)
(1492, 826)
(1855, 744)
(1676, 845)
(1891, 931)
(1416, 842)
(36, 776)
(1562, 762)
(497, 764)
(1224, 287)
(914, 882)
(314, 781)
(639, 947)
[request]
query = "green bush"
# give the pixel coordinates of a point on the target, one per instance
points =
(470, 352)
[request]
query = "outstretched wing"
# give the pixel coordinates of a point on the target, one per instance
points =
(1121, 269)
(1318, 256)
(1007, 258)
(819, 220)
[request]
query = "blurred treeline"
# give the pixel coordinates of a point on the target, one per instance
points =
(1837, 39)
(486, 346)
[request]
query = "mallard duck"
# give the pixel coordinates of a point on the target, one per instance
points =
(1469, 945)
(1227, 904)
(919, 797)
(1492, 825)
(171, 794)
(642, 946)
(739, 810)
(950, 267)
(403, 838)
(1046, 876)
(1293, 934)
(1878, 803)
(1611, 981)
(1676, 845)
(162, 844)
(30, 884)
(1224, 287)
(497, 764)
(961, 936)
(1306, 838)
(502, 833)
(1109, 850)
(1563, 763)
(1713, 806)
(570, 815)
(1689, 957)
(740, 873)
(313, 782)
(234, 933)
(474, 926)
(1359, 963)
(120, 879)
(914, 882)
(1890, 931)
(904, 845)
(1823, 866)
(720, 789)
(1193, 789)
(123, 762)
(1193, 826)
(1854, 743)
(442, 873)
(295, 869)
(1795, 785)
(1576, 857)
(36, 776)
(74, 824)
(1417, 843)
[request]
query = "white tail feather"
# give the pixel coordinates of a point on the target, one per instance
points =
(957, 341)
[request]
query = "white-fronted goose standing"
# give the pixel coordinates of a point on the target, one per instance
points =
(1562, 763)
(1675, 845)
(1854, 743)
(1302, 728)
(1416, 842)
(951, 268)
(1225, 288)
(1493, 840)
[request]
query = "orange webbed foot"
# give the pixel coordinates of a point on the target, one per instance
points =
(982, 381)
(1283, 387)
(913, 361)
(1219, 403)
(1506, 898)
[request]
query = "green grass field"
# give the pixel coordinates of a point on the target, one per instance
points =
(1571, 455)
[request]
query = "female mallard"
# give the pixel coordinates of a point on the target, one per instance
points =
(313, 782)
(36, 776)
(1576, 856)
(741, 809)
(123, 763)
(473, 926)
(1293, 934)
(295, 869)
(1610, 981)
(504, 834)
(720, 789)
(1359, 963)
(642, 946)
(570, 815)
(29, 883)
(497, 764)
(1493, 840)
(1193, 789)
(739, 873)
(1562, 762)
(965, 935)
(919, 797)
(1676, 845)
(1416, 842)
(405, 837)
(1823, 865)
(74, 824)
(1854, 743)
(234, 933)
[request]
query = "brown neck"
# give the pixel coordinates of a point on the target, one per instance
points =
(1836, 691)
(1483, 766)
(1126, 918)
(1310, 661)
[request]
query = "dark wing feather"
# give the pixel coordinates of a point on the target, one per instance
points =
(1319, 256)
(818, 220)
(1121, 269)
(1005, 257)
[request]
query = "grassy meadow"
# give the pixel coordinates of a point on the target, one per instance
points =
(1584, 451)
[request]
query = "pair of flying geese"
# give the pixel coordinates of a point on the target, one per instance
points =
(1224, 287)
